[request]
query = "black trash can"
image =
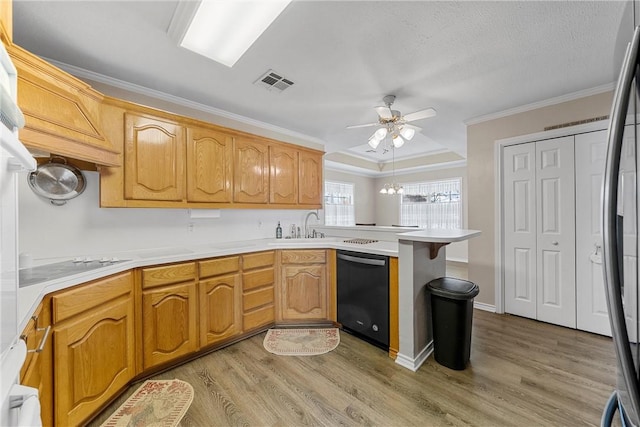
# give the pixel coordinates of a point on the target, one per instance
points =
(451, 317)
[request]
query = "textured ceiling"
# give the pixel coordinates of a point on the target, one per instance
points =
(465, 59)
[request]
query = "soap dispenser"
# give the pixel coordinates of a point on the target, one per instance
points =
(278, 231)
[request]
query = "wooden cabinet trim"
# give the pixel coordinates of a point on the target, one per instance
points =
(258, 259)
(71, 302)
(168, 274)
(219, 266)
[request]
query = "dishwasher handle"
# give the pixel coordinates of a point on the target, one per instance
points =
(359, 260)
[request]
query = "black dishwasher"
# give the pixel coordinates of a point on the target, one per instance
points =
(363, 296)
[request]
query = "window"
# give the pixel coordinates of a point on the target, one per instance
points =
(338, 204)
(433, 204)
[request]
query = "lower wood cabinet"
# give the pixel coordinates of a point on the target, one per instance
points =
(303, 287)
(220, 299)
(169, 313)
(258, 280)
(37, 371)
(93, 346)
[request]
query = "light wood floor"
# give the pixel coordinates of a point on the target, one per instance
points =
(522, 373)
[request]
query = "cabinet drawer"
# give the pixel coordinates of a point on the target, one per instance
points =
(75, 301)
(304, 256)
(260, 259)
(256, 279)
(218, 266)
(167, 274)
(257, 318)
(257, 298)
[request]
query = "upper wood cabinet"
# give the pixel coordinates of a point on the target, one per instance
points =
(310, 178)
(251, 159)
(62, 113)
(209, 166)
(154, 159)
(284, 175)
(177, 162)
(6, 21)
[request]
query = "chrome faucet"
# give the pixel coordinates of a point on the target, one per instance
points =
(306, 223)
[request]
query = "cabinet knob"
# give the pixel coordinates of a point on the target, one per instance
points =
(554, 243)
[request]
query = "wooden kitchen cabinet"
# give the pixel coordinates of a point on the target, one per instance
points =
(93, 346)
(62, 113)
(154, 152)
(283, 163)
(169, 313)
(251, 172)
(209, 165)
(37, 370)
(220, 299)
(311, 185)
(258, 280)
(303, 286)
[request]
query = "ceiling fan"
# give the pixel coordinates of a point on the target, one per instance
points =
(394, 124)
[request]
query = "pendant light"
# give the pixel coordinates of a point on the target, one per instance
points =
(394, 187)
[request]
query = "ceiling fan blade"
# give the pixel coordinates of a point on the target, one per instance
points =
(384, 112)
(362, 126)
(422, 114)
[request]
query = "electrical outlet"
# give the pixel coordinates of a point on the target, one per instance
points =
(190, 227)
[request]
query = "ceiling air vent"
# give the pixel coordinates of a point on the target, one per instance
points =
(273, 81)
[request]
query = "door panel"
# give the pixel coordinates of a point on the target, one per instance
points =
(555, 243)
(591, 306)
(520, 230)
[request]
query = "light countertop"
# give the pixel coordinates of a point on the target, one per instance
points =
(439, 236)
(30, 296)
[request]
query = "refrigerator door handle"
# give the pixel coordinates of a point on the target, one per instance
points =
(610, 254)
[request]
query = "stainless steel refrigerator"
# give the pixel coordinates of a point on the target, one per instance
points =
(620, 224)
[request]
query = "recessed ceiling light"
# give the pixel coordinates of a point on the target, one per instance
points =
(223, 30)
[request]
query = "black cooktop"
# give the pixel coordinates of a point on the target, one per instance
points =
(43, 273)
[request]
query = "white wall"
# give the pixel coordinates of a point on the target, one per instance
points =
(81, 228)
(364, 200)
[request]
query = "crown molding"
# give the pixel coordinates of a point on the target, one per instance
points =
(425, 168)
(142, 90)
(540, 104)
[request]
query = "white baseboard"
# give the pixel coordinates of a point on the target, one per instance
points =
(415, 363)
(485, 307)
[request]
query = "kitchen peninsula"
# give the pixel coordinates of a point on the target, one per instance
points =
(422, 258)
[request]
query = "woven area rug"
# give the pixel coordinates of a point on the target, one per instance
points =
(301, 342)
(155, 403)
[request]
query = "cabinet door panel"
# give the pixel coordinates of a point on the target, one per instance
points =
(310, 171)
(304, 293)
(284, 175)
(251, 174)
(209, 166)
(154, 159)
(86, 376)
(169, 323)
(220, 308)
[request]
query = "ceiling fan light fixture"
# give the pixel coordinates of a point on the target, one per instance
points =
(380, 133)
(407, 133)
(398, 141)
(373, 142)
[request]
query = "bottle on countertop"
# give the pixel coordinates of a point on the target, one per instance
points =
(278, 231)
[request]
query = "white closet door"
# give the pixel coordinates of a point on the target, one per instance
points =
(519, 230)
(555, 246)
(591, 304)
(627, 207)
